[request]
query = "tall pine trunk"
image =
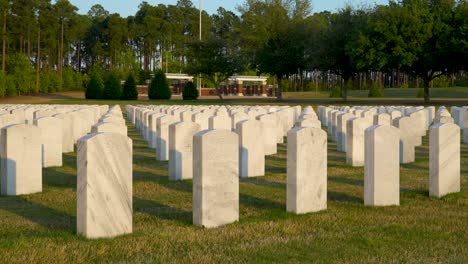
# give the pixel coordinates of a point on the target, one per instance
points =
(38, 61)
(4, 41)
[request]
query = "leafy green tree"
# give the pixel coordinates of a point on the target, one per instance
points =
(339, 42)
(112, 87)
(159, 88)
(95, 87)
(209, 58)
(190, 91)
(130, 90)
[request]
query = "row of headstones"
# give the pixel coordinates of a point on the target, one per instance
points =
(170, 129)
(104, 160)
(215, 157)
(33, 137)
(380, 138)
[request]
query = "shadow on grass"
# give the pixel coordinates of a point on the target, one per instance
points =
(161, 211)
(345, 180)
(258, 203)
(163, 180)
(47, 217)
(262, 182)
(57, 178)
(342, 197)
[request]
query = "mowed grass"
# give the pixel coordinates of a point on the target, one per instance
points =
(42, 227)
(408, 94)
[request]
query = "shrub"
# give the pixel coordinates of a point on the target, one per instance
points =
(374, 91)
(22, 73)
(441, 82)
(112, 87)
(159, 88)
(143, 76)
(10, 86)
(129, 90)
(336, 92)
(78, 81)
(55, 82)
(190, 92)
(2, 84)
(462, 82)
(95, 87)
(404, 86)
(68, 78)
(420, 93)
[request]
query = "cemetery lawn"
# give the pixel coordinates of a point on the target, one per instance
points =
(41, 228)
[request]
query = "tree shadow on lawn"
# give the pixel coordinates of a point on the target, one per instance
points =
(259, 181)
(57, 178)
(163, 180)
(343, 197)
(47, 217)
(345, 180)
(161, 211)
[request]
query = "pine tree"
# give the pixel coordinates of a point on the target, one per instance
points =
(130, 91)
(159, 88)
(190, 92)
(113, 89)
(95, 87)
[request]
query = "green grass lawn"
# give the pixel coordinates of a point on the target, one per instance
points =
(42, 227)
(450, 93)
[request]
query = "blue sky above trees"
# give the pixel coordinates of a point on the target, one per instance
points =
(129, 7)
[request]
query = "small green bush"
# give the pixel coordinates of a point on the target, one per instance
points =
(336, 92)
(441, 82)
(143, 76)
(159, 88)
(55, 82)
(68, 79)
(374, 91)
(112, 87)
(404, 86)
(462, 82)
(2, 84)
(10, 86)
(22, 73)
(420, 93)
(95, 87)
(130, 90)
(190, 91)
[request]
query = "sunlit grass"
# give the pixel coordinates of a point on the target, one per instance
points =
(42, 227)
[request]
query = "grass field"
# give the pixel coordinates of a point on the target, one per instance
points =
(42, 227)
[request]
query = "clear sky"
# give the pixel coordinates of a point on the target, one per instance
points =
(129, 7)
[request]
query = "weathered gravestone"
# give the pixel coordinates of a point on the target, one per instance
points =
(21, 159)
(306, 170)
(251, 149)
(51, 138)
(181, 149)
(382, 167)
(104, 191)
(444, 159)
(407, 138)
(162, 138)
(215, 178)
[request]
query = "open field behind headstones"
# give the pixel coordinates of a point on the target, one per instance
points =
(42, 227)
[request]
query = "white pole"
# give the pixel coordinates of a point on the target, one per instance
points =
(200, 37)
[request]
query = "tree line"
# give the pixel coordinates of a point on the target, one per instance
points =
(48, 47)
